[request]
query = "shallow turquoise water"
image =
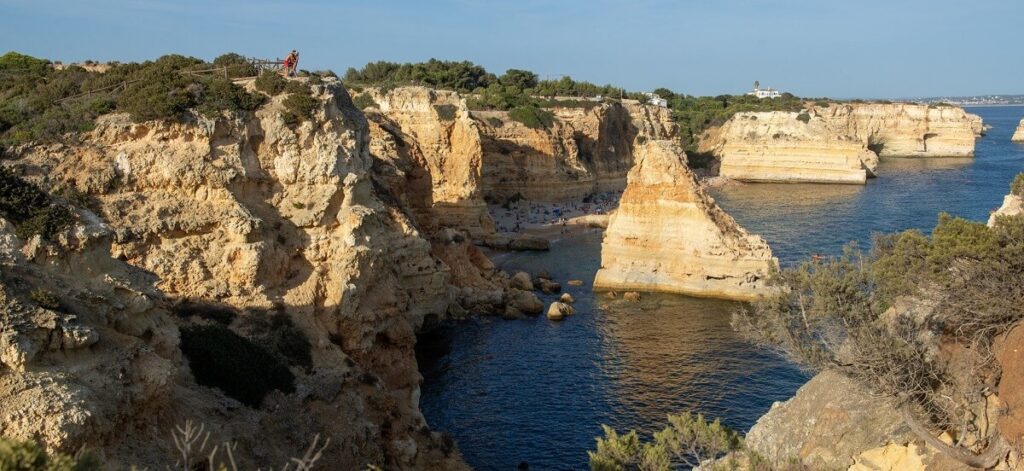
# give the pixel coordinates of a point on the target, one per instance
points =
(537, 391)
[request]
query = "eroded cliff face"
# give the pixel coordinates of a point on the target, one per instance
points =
(1013, 205)
(587, 149)
(1018, 135)
(449, 142)
(779, 147)
(99, 355)
(669, 235)
(312, 221)
(840, 143)
(908, 130)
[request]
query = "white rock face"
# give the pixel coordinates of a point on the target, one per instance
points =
(781, 147)
(839, 143)
(669, 235)
(1013, 205)
(1018, 135)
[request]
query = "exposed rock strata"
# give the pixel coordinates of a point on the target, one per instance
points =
(587, 149)
(85, 369)
(779, 147)
(669, 235)
(907, 130)
(449, 141)
(840, 143)
(250, 213)
(1018, 135)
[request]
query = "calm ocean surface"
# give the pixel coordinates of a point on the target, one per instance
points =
(538, 391)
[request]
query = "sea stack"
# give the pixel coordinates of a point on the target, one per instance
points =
(837, 143)
(1018, 136)
(791, 147)
(668, 235)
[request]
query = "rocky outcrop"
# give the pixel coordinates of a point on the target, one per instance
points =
(839, 143)
(86, 344)
(830, 420)
(907, 130)
(587, 149)
(310, 220)
(1013, 205)
(449, 142)
(782, 147)
(1018, 135)
(669, 235)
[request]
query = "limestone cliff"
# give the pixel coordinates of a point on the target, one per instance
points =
(485, 155)
(450, 144)
(86, 344)
(780, 147)
(839, 143)
(586, 149)
(669, 235)
(829, 421)
(1018, 135)
(907, 130)
(1013, 205)
(252, 214)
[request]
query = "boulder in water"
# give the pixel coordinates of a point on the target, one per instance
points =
(558, 311)
(521, 280)
(566, 298)
(524, 301)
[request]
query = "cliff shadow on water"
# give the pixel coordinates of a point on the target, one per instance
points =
(537, 391)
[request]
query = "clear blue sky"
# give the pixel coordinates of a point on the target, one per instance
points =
(851, 48)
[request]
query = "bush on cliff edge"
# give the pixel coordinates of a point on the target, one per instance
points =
(532, 116)
(30, 208)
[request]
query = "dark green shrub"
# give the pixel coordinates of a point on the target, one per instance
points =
(30, 209)
(20, 199)
(237, 65)
(223, 95)
(271, 83)
(242, 369)
(46, 222)
(445, 112)
(1017, 187)
(532, 117)
(803, 118)
(45, 298)
(27, 456)
(164, 98)
(296, 87)
(299, 104)
(364, 101)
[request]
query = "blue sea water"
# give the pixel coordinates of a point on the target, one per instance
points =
(538, 391)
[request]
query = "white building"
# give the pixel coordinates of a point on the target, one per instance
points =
(656, 100)
(764, 92)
